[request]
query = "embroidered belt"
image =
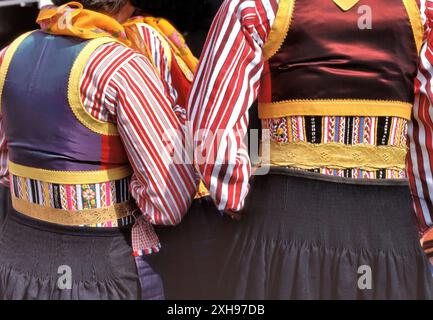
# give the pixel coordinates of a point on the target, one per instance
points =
(88, 217)
(337, 156)
(68, 198)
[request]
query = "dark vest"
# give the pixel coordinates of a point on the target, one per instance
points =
(46, 124)
(322, 62)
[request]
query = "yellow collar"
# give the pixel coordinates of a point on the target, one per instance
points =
(346, 5)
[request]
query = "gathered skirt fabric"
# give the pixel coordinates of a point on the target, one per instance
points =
(5, 203)
(191, 253)
(303, 238)
(36, 259)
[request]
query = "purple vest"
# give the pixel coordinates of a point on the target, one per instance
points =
(41, 107)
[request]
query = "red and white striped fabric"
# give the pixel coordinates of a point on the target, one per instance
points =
(159, 56)
(226, 85)
(4, 173)
(420, 161)
(123, 87)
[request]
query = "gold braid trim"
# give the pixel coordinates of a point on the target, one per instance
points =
(280, 28)
(74, 96)
(337, 156)
(74, 217)
(202, 191)
(416, 23)
(345, 5)
(70, 177)
(335, 107)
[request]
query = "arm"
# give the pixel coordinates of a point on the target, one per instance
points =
(167, 57)
(420, 131)
(225, 86)
(160, 57)
(4, 172)
(162, 188)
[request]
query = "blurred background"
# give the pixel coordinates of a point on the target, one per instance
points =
(192, 17)
(16, 17)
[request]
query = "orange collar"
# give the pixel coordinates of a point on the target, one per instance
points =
(71, 19)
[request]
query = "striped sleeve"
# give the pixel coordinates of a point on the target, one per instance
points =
(225, 86)
(164, 181)
(420, 131)
(161, 57)
(4, 172)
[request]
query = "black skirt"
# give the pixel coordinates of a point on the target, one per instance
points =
(39, 260)
(304, 238)
(189, 261)
(5, 203)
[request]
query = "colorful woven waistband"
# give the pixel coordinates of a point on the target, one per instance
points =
(109, 202)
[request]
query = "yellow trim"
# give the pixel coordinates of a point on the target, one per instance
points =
(346, 5)
(64, 217)
(74, 97)
(4, 68)
(202, 191)
(25, 194)
(415, 21)
(46, 194)
(335, 107)
(280, 28)
(337, 156)
(69, 177)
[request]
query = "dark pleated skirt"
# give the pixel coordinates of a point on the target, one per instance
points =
(5, 203)
(190, 259)
(36, 258)
(303, 238)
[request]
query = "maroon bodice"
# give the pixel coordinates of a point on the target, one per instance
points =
(329, 53)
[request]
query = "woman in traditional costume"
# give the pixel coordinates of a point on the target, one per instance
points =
(338, 84)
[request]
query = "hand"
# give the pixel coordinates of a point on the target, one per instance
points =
(234, 215)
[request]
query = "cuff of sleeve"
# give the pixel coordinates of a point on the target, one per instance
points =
(4, 181)
(144, 238)
(427, 242)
